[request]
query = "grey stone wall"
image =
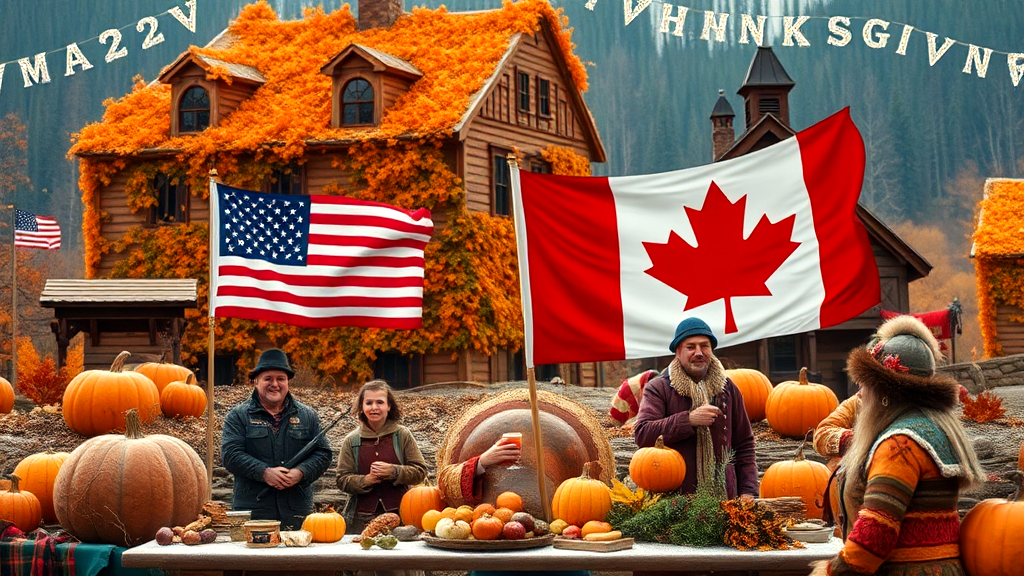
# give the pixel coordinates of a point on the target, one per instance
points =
(988, 374)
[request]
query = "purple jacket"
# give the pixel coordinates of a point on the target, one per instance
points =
(664, 412)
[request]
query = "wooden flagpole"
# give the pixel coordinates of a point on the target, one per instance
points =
(531, 378)
(14, 299)
(212, 325)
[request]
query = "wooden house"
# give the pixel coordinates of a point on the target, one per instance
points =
(765, 93)
(998, 253)
(308, 107)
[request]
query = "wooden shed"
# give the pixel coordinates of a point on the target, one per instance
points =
(998, 253)
(145, 317)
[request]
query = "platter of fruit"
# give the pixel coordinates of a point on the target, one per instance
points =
(486, 527)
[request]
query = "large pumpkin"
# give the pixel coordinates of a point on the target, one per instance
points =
(793, 408)
(755, 388)
(20, 507)
(120, 489)
(95, 401)
(163, 373)
(990, 542)
(798, 477)
(6, 396)
(417, 501)
(38, 472)
(657, 468)
(325, 525)
(181, 399)
(580, 500)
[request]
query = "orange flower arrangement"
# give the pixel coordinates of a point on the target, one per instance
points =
(752, 526)
(999, 256)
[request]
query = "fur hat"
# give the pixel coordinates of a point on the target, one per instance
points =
(692, 327)
(899, 364)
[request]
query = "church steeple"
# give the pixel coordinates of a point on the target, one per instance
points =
(766, 88)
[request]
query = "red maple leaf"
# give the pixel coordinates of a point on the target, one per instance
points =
(723, 264)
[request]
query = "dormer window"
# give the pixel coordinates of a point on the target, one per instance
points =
(357, 103)
(194, 110)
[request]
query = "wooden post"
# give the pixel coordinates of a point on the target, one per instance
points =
(211, 348)
(538, 443)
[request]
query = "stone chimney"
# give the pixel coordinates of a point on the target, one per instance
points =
(722, 133)
(379, 13)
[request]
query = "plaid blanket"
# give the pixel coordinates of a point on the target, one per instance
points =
(35, 553)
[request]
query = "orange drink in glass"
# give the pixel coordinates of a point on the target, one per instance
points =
(513, 438)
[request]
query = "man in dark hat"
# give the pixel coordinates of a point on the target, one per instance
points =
(699, 413)
(264, 432)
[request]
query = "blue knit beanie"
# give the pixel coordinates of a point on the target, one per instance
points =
(692, 327)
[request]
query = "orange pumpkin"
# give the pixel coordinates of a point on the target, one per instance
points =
(6, 396)
(798, 477)
(482, 509)
(657, 468)
(754, 387)
(579, 500)
(99, 496)
(163, 373)
(990, 542)
(416, 502)
(509, 500)
(326, 525)
(431, 518)
(503, 514)
(38, 473)
(487, 527)
(95, 401)
(181, 399)
(793, 408)
(20, 508)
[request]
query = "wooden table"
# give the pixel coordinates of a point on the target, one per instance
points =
(344, 555)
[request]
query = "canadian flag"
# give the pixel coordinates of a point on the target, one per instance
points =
(763, 245)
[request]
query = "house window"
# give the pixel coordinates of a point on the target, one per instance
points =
(401, 371)
(543, 97)
(357, 103)
(524, 92)
(783, 354)
(540, 167)
(501, 177)
(545, 372)
(194, 110)
(172, 201)
(286, 180)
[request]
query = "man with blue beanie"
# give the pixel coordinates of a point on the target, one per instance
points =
(699, 412)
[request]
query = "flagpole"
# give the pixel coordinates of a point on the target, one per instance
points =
(211, 325)
(14, 299)
(531, 378)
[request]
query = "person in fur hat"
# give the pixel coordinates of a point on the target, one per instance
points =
(908, 459)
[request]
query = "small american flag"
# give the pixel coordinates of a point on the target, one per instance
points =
(316, 261)
(31, 231)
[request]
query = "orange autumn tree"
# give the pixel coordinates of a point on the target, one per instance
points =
(471, 297)
(39, 379)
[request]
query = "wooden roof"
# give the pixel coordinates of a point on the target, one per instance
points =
(208, 63)
(766, 70)
(381, 61)
(61, 293)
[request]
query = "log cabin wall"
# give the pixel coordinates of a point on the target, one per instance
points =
(440, 368)
(1009, 329)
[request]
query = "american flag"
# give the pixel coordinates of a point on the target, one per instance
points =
(316, 261)
(31, 231)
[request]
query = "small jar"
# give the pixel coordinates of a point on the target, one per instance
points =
(236, 524)
(262, 533)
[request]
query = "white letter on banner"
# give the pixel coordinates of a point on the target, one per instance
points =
(116, 50)
(933, 54)
(190, 22)
(4, 65)
(904, 39)
(630, 13)
(842, 35)
(711, 24)
(757, 31)
(75, 58)
(974, 57)
(152, 39)
(590, 5)
(680, 19)
(1014, 61)
(793, 31)
(34, 73)
(869, 28)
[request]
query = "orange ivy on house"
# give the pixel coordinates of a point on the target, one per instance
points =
(565, 162)
(999, 256)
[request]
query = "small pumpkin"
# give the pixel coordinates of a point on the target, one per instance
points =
(19, 507)
(754, 387)
(430, 519)
(798, 477)
(579, 500)
(163, 373)
(417, 501)
(95, 401)
(990, 542)
(325, 525)
(452, 529)
(656, 468)
(482, 509)
(6, 396)
(38, 472)
(487, 527)
(510, 500)
(181, 399)
(794, 407)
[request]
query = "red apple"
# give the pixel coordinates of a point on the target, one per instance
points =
(525, 519)
(513, 531)
(571, 532)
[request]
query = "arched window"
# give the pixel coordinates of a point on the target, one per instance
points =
(194, 110)
(357, 103)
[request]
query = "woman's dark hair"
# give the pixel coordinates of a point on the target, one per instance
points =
(394, 413)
